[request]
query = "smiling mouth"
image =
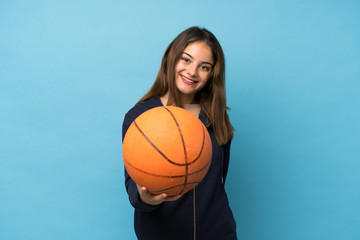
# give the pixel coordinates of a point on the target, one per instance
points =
(188, 80)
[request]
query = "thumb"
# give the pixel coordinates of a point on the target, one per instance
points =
(160, 197)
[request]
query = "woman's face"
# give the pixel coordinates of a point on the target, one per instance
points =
(193, 70)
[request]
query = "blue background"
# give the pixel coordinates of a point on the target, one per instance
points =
(69, 71)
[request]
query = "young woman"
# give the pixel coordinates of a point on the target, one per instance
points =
(191, 76)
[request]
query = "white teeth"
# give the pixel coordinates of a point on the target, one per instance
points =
(188, 79)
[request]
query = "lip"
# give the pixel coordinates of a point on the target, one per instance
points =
(185, 80)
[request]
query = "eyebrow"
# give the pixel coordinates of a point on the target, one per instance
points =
(202, 62)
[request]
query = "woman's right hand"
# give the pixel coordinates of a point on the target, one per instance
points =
(154, 199)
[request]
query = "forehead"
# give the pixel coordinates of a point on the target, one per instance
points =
(199, 51)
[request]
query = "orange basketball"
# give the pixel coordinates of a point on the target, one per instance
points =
(167, 150)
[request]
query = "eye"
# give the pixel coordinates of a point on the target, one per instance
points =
(205, 68)
(186, 60)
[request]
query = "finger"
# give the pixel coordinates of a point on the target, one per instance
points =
(159, 197)
(149, 198)
(155, 197)
(142, 190)
(173, 198)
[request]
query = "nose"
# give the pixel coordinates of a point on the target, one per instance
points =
(192, 70)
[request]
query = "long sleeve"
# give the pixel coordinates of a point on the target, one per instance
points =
(226, 149)
(175, 219)
(130, 185)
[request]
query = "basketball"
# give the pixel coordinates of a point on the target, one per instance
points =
(167, 150)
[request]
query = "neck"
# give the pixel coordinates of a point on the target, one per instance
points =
(185, 99)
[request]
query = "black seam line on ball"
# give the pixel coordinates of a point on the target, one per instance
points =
(154, 146)
(162, 154)
(184, 147)
(169, 188)
(182, 138)
(165, 176)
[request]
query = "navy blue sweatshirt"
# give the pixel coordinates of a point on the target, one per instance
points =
(202, 213)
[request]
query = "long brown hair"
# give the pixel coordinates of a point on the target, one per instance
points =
(211, 97)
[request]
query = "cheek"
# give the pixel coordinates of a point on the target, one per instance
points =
(179, 67)
(205, 77)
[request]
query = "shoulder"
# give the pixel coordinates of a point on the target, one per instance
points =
(137, 110)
